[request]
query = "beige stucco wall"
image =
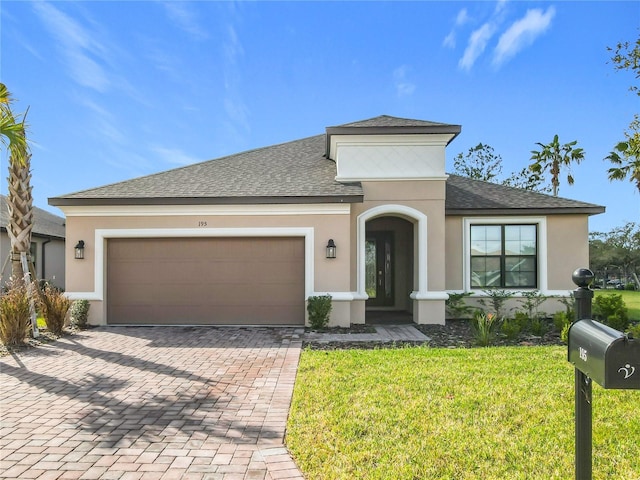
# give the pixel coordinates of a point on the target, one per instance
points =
(567, 248)
(568, 240)
(427, 197)
(330, 275)
(454, 253)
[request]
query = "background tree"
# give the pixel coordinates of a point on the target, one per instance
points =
(625, 155)
(617, 250)
(480, 163)
(554, 157)
(525, 179)
(19, 199)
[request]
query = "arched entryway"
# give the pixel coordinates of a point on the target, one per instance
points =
(391, 244)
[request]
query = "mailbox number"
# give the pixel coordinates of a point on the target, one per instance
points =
(582, 352)
(202, 223)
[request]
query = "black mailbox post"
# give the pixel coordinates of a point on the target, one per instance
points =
(599, 353)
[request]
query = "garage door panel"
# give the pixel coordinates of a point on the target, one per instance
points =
(205, 281)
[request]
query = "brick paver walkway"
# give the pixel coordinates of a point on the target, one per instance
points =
(150, 403)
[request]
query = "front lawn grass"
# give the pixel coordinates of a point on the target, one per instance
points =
(631, 299)
(425, 413)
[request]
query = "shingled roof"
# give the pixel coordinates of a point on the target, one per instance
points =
(466, 196)
(300, 172)
(45, 224)
(292, 172)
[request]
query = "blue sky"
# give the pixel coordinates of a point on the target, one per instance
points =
(117, 90)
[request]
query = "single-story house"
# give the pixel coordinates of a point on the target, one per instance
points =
(364, 212)
(47, 245)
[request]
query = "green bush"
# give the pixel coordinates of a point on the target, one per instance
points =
(15, 320)
(55, 306)
(561, 320)
(79, 312)
(457, 307)
(531, 301)
(611, 310)
(538, 326)
(564, 333)
(634, 330)
(484, 327)
(510, 328)
(319, 309)
(630, 286)
(496, 300)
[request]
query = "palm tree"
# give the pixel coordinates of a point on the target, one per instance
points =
(19, 200)
(626, 156)
(553, 157)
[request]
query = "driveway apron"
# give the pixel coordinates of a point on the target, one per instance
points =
(150, 403)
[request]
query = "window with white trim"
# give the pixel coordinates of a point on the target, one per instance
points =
(504, 256)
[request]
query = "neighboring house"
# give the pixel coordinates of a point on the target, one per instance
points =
(47, 245)
(244, 239)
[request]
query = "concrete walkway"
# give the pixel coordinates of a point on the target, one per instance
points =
(157, 403)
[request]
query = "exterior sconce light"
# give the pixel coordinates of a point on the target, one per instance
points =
(331, 249)
(79, 250)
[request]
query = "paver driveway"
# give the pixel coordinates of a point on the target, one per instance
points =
(150, 403)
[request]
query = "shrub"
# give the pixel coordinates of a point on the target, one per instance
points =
(55, 306)
(531, 301)
(319, 309)
(15, 320)
(79, 312)
(496, 300)
(611, 310)
(630, 286)
(634, 330)
(561, 320)
(564, 333)
(510, 328)
(538, 326)
(484, 326)
(456, 306)
(569, 305)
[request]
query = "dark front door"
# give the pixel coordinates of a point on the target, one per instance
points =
(379, 269)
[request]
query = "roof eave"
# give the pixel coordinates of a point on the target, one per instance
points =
(592, 210)
(96, 201)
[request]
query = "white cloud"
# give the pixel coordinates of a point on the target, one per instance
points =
(522, 34)
(106, 123)
(79, 46)
(403, 87)
(185, 19)
(477, 44)
(174, 156)
(461, 19)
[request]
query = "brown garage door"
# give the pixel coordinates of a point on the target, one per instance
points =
(211, 281)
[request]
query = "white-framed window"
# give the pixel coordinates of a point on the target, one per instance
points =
(505, 252)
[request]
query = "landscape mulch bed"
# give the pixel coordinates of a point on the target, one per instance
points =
(454, 334)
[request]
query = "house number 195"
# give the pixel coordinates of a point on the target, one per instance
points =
(202, 223)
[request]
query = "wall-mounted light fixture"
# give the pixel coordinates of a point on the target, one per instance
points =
(79, 250)
(331, 249)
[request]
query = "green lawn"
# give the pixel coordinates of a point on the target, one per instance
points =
(631, 299)
(421, 413)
